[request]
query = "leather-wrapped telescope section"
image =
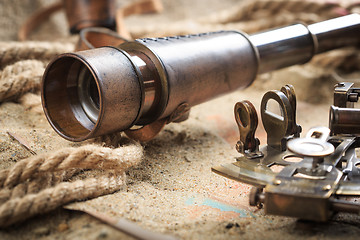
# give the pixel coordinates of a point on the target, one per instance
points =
(94, 92)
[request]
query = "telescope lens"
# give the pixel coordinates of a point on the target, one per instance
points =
(88, 94)
(71, 97)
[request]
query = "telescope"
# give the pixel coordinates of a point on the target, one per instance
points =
(148, 82)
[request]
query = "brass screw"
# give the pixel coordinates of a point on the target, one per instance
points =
(277, 182)
(326, 187)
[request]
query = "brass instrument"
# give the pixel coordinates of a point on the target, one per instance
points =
(319, 171)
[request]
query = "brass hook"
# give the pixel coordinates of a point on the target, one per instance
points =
(247, 121)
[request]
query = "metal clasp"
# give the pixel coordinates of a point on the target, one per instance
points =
(247, 121)
(280, 127)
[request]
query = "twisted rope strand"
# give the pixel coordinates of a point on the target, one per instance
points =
(20, 78)
(32, 185)
(246, 10)
(249, 16)
(11, 52)
(19, 209)
(35, 185)
(85, 157)
(346, 58)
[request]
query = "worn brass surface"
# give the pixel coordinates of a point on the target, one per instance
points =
(246, 119)
(279, 126)
(68, 113)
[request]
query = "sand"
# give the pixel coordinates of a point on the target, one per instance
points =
(173, 190)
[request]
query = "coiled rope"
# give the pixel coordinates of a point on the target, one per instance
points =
(19, 78)
(37, 184)
(11, 52)
(22, 65)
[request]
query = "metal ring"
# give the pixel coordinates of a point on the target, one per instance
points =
(310, 147)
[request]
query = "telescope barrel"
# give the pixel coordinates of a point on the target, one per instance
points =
(296, 44)
(344, 120)
(94, 92)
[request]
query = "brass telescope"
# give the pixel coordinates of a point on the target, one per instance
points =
(156, 80)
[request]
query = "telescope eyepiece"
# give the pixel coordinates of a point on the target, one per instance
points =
(84, 94)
